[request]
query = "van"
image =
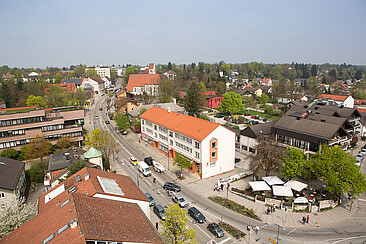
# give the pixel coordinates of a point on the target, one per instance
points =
(144, 168)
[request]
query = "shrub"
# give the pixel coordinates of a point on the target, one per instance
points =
(235, 207)
(236, 233)
(10, 153)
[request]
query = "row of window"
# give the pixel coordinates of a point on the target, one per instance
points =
(163, 137)
(163, 129)
(20, 121)
(183, 138)
(12, 133)
(184, 147)
(52, 127)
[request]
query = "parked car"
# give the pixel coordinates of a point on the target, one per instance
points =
(107, 122)
(171, 187)
(265, 119)
(148, 160)
(180, 200)
(96, 117)
(100, 108)
(219, 116)
(133, 161)
(246, 114)
(151, 199)
(124, 132)
(254, 122)
(253, 116)
(215, 229)
(196, 215)
(158, 167)
(159, 211)
(237, 160)
(256, 117)
(144, 168)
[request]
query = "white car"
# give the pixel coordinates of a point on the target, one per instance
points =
(158, 167)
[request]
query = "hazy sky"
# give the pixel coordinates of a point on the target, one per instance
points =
(42, 33)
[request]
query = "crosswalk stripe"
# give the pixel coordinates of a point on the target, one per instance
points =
(227, 239)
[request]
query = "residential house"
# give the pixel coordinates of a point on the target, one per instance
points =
(107, 82)
(96, 82)
(266, 82)
(140, 83)
(170, 74)
(12, 182)
(67, 87)
(249, 91)
(339, 100)
(209, 145)
(360, 103)
(103, 71)
(92, 206)
(212, 101)
(249, 136)
(125, 105)
(18, 128)
(288, 98)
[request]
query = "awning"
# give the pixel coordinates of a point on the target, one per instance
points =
(284, 191)
(296, 185)
(259, 186)
(301, 200)
(273, 180)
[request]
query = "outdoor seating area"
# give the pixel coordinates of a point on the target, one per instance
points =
(293, 194)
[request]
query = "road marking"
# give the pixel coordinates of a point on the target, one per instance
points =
(147, 182)
(364, 200)
(202, 230)
(290, 232)
(227, 239)
(349, 238)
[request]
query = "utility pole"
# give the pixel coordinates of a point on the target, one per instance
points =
(248, 229)
(278, 231)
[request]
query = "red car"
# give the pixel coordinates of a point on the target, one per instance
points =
(253, 116)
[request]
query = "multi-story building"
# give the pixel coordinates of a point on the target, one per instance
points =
(18, 128)
(103, 71)
(209, 145)
(12, 182)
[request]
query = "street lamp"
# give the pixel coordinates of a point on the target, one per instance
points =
(278, 231)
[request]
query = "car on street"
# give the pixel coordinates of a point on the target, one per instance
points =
(159, 211)
(151, 199)
(196, 215)
(215, 229)
(158, 167)
(180, 200)
(96, 117)
(171, 187)
(148, 160)
(133, 161)
(107, 122)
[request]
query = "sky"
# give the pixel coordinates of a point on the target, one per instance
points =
(47, 33)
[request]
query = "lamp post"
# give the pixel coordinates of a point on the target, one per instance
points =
(278, 231)
(248, 229)
(137, 177)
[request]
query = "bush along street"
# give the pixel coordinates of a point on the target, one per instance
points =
(236, 233)
(234, 206)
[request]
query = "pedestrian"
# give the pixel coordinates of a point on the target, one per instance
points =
(154, 180)
(256, 229)
(222, 187)
(274, 208)
(215, 187)
(271, 209)
(139, 140)
(307, 219)
(303, 220)
(268, 210)
(157, 225)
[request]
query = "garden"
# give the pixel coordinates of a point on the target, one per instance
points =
(234, 206)
(236, 233)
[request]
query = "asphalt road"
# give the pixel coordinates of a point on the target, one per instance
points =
(352, 230)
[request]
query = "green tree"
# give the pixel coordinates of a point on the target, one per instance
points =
(359, 94)
(130, 70)
(314, 70)
(338, 171)
(10, 153)
(64, 142)
(15, 215)
(38, 147)
(166, 87)
(122, 121)
(176, 229)
(333, 75)
(56, 97)
(231, 103)
(358, 75)
(58, 78)
(79, 71)
(75, 167)
(220, 88)
(80, 96)
(193, 99)
(36, 101)
(103, 141)
(295, 164)
(182, 161)
(226, 69)
(91, 72)
(264, 98)
(37, 171)
(170, 66)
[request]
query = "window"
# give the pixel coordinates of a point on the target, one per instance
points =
(214, 145)
(155, 127)
(213, 164)
(171, 143)
(197, 154)
(48, 239)
(197, 144)
(213, 155)
(170, 133)
(62, 229)
(143, 121)
(163, 137)
(2, 195)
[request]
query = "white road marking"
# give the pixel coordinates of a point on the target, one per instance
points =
(227, 239)
(147, 182)
(349, 238)
(202, 231)
(290, 232)
(364, 200)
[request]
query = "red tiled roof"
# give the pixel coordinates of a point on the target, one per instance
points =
(361, 110)
(209, 93)
(360, 102)
(333, 97)
(140, 80)
(170, 72)
(18, 108)
(68, 87)
(187, 125)
(266, 80)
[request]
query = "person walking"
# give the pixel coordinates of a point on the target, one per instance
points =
(303, 220)
(222, 187)
(157, 225)
(307, 219)
(274, 208)
(154, 180)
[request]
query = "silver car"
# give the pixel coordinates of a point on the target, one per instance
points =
(180, 200)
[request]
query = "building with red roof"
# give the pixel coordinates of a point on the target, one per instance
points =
(340, 100)
(209, 145)
(140, 83)
(266, 82)
(92, 206)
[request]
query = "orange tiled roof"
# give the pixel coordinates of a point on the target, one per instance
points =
(140, 80)
(187, 125)
(361, 110)
(266, 80)
(360, 102)
(68, 87)
(18, 108)
(333, 97)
